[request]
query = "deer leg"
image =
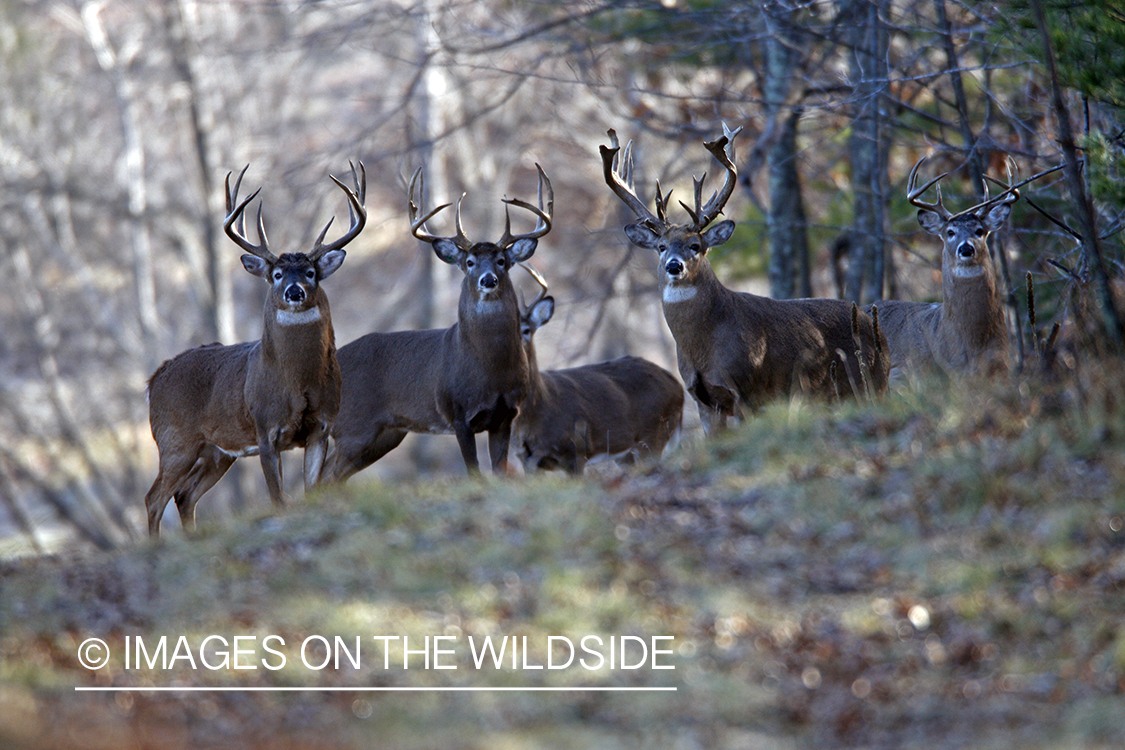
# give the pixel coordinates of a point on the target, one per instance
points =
(573, 461)
(498, 442)
(208, 471)
(500, 437)
(174, 468)
(468, 444)
(315, 449)
(348, 458)
(271, 464)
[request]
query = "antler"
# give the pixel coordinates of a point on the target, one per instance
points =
(1010, 194)
(543, 222)
(913, 193)
(417, 225)
(539, 280)
(235, 222)
(618, 169)
(356, 213)
(704, 215)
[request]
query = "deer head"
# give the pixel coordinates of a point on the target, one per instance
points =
(294, 278)
(682, 247)
(964, 235)
(537, 313)
(485, 264)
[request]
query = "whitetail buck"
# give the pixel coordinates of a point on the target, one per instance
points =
(469, 378)
(737, 350)
(967, 329)
(213, 404)
(624, 407)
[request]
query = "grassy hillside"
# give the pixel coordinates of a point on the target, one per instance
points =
(944, 568)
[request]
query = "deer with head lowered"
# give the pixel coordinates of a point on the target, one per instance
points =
(213, 404)
(967, 329)
(735, 350)
(469, 378)
(624, 407)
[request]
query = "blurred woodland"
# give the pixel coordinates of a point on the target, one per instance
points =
(121, 118)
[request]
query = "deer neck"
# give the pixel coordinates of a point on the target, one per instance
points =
(299, 343)
(972, 315)
(490, 328)
(537, 392)
(688, 305)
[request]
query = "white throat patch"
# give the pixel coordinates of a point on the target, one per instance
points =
(489, 306)
(967, 272)
(287, 318)
(678, 293)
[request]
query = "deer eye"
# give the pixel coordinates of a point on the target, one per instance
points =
(501, 262)
(662, 246)
(979, 232)
(951, 234)
(309, 274)
(695, 247)
(469, 263)
(277, 275)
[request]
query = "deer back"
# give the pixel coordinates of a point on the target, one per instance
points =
(607, 409)
(203, 390)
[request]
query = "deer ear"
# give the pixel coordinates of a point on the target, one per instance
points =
(930, 221)
(640, 234)
(719, 233)
(541, 313)
(260, 267)
(327, 264)
(447, 251)
(522, 249)
(996, 216)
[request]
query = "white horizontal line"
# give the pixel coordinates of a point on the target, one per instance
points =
(375, 689)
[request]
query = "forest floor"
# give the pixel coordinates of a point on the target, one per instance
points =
(942, 568)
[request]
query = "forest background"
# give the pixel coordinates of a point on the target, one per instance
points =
(121, 119)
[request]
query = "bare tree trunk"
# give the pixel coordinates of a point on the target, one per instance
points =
(430, 125)
(868, 152)
(134, 169)
(789, 250)
(218, 297)
(789, 271)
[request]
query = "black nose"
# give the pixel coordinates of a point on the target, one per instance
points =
(294, 293)
(966, 251)
(489, 281)
(674, 267)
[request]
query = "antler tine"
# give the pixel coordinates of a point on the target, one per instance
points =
(539, 280)
(543, 215)
(235, 222)
(417, 224)
(624, 162)
(357, 214)
(662, 203)
(718, 149)
(1010, 194)
(623, 189)
(698, 210)
(913, 192)
(461, 240)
